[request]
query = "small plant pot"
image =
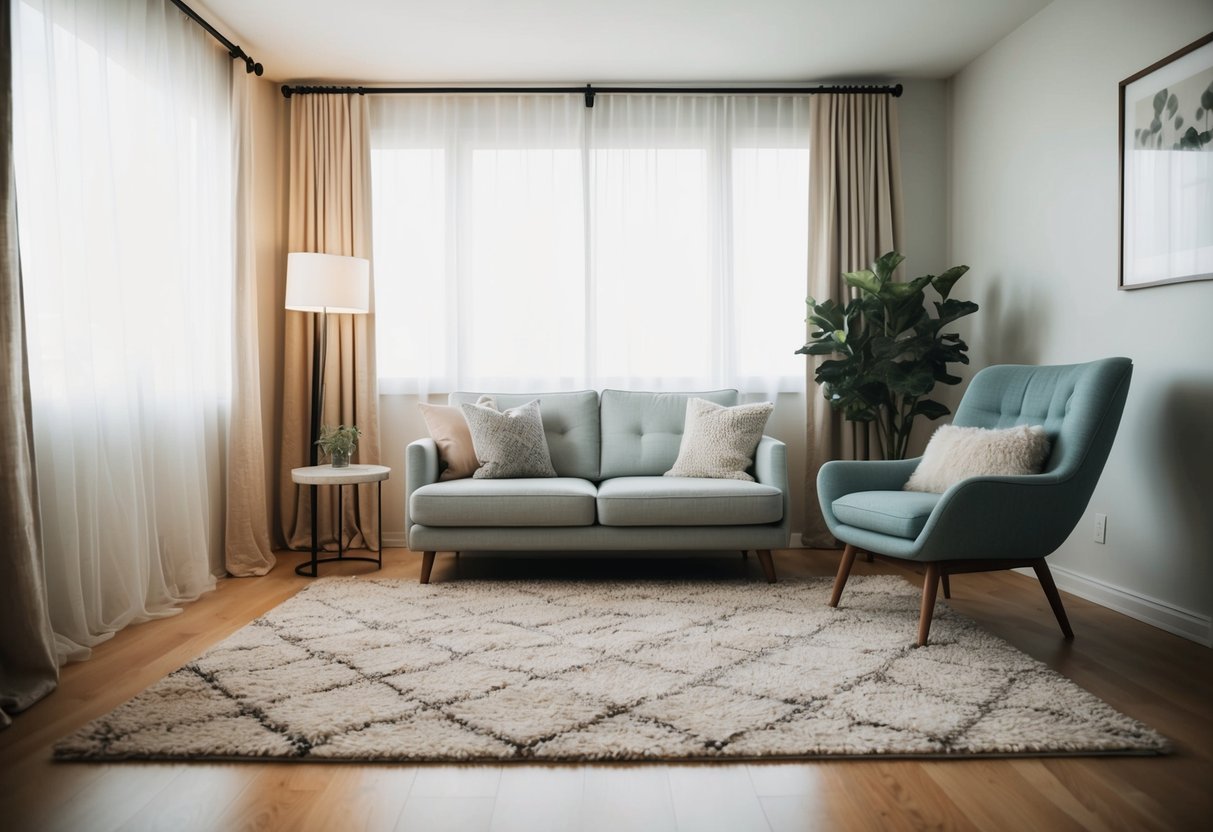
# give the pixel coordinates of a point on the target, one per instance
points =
(340, 459)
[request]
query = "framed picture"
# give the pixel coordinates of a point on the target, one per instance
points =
(1166, 170)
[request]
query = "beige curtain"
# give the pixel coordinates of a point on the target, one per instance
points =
(247, 549)
(329, 212)
(854, 217)
(29, 669)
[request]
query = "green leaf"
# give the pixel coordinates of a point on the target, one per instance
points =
(944, 282)
(1172, 105)
(819, 348)
(899, 291)
(864, 281)
(929, 408)
(1179, 122)
(886, 264)
(951, 310)
(1206, 99)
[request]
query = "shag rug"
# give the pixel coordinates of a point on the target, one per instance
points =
(367, 669)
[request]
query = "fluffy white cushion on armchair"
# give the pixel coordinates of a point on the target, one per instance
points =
(955, 454)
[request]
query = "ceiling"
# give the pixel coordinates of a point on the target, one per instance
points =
(615, 41)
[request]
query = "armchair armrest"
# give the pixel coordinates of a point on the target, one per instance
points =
(841, 477)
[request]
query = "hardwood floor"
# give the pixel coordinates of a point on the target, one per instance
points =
(1158, 678)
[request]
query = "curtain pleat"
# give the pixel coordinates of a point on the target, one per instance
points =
(854, 217)
(247, 550)
(329, 212)
(29, 669)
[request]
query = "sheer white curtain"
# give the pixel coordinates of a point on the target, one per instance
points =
(528, 242)
(122, 143)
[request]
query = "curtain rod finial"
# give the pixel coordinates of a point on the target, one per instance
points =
(286, 90)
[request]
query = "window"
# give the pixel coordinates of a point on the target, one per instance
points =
(529, 242)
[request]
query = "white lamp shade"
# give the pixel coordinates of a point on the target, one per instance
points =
(327, 283)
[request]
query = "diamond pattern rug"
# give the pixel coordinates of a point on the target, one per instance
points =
(372, 669)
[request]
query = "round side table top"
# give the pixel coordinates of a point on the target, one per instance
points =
(328, 475)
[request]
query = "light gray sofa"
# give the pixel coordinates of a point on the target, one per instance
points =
(609, 452)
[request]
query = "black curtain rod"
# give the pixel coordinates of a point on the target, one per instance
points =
(590, 91)
(232, 49)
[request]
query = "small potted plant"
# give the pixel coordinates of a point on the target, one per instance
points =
(339, 443)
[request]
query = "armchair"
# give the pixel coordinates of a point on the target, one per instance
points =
(986, 523)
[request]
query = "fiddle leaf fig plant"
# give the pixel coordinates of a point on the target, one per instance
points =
(886, 351)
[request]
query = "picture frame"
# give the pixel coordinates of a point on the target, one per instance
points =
(1166, 170)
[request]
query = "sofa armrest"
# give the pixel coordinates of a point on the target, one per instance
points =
(771, 463)
(420, 465)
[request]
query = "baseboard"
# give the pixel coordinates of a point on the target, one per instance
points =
(1185, 623)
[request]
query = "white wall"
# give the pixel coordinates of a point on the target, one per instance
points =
(922, 112)
(1034, 202)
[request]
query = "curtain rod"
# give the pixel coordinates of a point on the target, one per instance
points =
(590, 91)
(232, 49)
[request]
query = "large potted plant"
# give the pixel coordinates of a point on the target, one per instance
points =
(886, 350)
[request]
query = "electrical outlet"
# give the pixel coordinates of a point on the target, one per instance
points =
(1101, 527)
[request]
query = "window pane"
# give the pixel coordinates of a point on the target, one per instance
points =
(770, 260)
(525, 316)
(651, 265)
(411, 285)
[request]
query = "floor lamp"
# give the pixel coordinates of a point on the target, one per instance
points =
(324, 283)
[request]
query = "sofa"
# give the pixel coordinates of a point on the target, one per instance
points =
(609, 452)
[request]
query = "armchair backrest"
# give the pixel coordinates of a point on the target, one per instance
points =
(1079, 405)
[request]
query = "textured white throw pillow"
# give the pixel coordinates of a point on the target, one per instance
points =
(718, 442)
(508, 444)
(955, 454)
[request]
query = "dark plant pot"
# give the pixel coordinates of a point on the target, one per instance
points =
(340, 459)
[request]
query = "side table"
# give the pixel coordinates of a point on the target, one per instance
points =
(315, 476)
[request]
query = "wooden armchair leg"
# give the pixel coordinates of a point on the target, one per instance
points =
(930, 586)
(1050, 588)
(947, 585)
(768, 565)
(427, 563)
(844, 571)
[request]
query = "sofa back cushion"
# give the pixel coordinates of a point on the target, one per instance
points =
(641, 432)
(570, 425)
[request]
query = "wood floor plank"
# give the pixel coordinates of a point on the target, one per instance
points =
(538, 799)
(1148, 674)
(446, 814)
(627, 799)
(715, 797)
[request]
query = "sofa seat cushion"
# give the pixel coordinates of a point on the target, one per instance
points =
(559, 501)
(676, 501)
(896, 513)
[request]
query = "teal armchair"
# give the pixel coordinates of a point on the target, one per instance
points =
(986, 523)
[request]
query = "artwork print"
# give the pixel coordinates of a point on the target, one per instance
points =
(1166, 126)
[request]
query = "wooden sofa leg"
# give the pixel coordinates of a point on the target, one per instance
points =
(1050, 588)
(844, 571)
(768, 565)
(930, 586)
(947, 585)
(427, 563)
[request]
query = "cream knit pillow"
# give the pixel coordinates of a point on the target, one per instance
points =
(718, 442)
(955, 454)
